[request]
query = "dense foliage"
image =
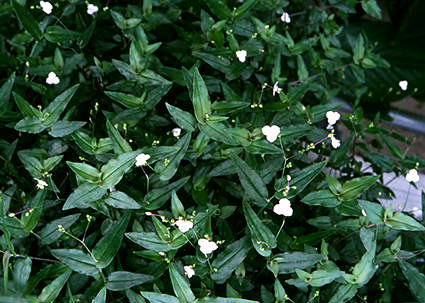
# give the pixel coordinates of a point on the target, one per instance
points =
(180, 151)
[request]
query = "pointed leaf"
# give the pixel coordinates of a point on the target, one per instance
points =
(122, 280)
(51, 291)
(76, 260)
(114, 170)
(181, 286)
(251, 182)
(53, 111)
(27, 20)
(106, 249)
(83, 195)
(120, 145)
(261, 236)
(200, 98)
(120, 199)
(182, 118)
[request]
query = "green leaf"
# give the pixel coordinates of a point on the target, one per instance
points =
(320, 278)
(83, 195)
(400, 221)
(177, 207)
(100, 297)
(32, 125)
(321, 198)
(21, 273)
(36, 205)
(51, 291)
(113, 171)
(344, 293)
(200, 98)
(372, 8)
(374, 211)
(85, 171)
(263, 147)
(6, 90)
(181, 286)
(57, 34)
(25, 108)
(52, 112)
(261, 236)
(64, 128)
(415, 278)
(106, 249)
(182, 118)
(394, 149)
(86, 35)
(334, 185)
(227, 261)
(134, 297)
(364, 270)
(154, 297)
(127, 100)
(122, 280)
(355, 187)
(119, 199)
(244, 8)
(219, 9)
(50, 233)
(162, 231)
(27, 20)
(167, 171)
(218, 132)
(251, 182)
(76, 260)
(149, 240)
(359, 49)
(120, 145)
(303, 177)
(288, 262)
(156, 198)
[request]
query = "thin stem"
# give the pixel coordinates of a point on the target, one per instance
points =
(147, 180)
(281, 226)
(407, 197)
(82, 243)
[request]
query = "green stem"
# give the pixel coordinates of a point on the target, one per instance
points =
(281, 226)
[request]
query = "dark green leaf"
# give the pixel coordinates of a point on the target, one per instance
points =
(27, 20)
(181, 286)
(122, 280)
(120, 199)
(51, 291)
(83, 195)
(251, 182)
(106, 249)
(76, 260)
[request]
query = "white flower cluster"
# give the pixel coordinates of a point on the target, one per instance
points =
(271, 132)
(41, 184)
(142, 159)
(412, 176)
(52, 78)
(241, 54)
(283, 208)
(46, 6)
(188, 271)
(92, 9)
(184, 225)
(206, 246)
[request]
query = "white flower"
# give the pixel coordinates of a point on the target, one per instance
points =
(41, 184)
(335, 142)
(283, 208)
(184, 225)
(276, 88)
(403, 84)
(412, 176)
(206, 246)
(333, 117)
(141, 159)
(241, 54)
(91, 9)
(417, 213)
(46, 7)
(271, 132)
(363, 213)
(285, 18)
(188, 271)
(52, 78)
(176, 131)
